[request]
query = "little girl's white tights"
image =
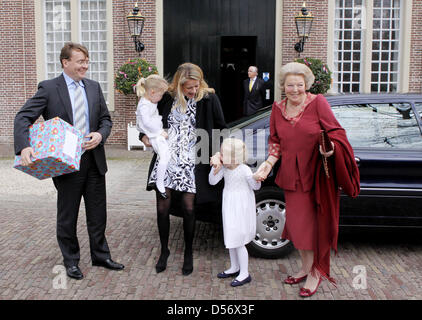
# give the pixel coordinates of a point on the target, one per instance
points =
(239, 262)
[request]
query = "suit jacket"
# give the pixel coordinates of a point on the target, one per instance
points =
(298, 143)
(254, 99)
(209, 116)
(52, 100)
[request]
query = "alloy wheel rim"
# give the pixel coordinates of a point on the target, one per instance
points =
(271, 219)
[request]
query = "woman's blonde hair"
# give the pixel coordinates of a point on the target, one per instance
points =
(153, 81)
(234, 149)
(188, 71)
(296, 68)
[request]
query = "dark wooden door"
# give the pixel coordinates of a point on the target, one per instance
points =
(198, 31)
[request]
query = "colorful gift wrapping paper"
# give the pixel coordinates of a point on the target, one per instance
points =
(57, 149)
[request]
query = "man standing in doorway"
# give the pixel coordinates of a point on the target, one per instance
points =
(78, 101)
(254, 92)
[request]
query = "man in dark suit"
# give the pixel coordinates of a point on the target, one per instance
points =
(80, 102)
(254, 89)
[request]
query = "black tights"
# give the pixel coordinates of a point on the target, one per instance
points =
(163, 220)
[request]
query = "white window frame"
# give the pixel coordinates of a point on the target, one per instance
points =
(366, 48)
(379, 83)
(40, 42)
(355, 28)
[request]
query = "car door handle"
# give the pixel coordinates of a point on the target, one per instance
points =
(357, 161)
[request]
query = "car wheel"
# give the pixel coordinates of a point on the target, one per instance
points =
(270, 221)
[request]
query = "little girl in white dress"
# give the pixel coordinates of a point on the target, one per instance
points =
(239, 213)
(148, 121)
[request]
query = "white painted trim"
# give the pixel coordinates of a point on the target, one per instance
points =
(330, 39)
(159, 36)
(278, 48)
(110, 56)
(367, 48)
(75, 17)
(39, 40)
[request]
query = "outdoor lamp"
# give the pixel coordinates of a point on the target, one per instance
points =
(303, 21)
(136, 22)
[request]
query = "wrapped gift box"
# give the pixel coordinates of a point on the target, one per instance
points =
(57, 149)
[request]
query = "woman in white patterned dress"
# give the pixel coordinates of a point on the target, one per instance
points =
(189, 105)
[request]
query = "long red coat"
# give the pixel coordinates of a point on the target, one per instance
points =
(298, 146)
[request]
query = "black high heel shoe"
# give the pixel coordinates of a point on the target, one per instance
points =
(162, 261)
(153, 186)
(162, 194)
(187, 264)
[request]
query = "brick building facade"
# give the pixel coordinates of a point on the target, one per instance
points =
(23, 63)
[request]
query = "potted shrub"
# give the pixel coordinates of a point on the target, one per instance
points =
(129, 73)
(321, 72)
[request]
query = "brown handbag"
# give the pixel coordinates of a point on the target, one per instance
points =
(326, 146)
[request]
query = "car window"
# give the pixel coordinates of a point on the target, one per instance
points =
(380, 125)
(256, 141)
(254, 131)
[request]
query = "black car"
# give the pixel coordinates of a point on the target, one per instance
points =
(385, 131)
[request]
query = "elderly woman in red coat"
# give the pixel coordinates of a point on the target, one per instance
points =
(312, 198)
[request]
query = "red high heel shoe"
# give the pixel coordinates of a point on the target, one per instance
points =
(293, 280)
(306, 293)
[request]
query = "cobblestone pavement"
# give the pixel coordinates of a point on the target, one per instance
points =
(29, 251)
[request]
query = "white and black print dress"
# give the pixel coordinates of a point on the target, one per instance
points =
(180, 173)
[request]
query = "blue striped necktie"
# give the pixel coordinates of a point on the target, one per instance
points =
(80, 117)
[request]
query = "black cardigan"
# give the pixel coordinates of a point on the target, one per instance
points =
(209, 116)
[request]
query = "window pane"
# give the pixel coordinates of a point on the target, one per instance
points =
(356, 77)
(346, 66)
(393, 77)
(356, 45)
(356, 67)
(57, 30)
(375, 56)
(347, 56)
(355, 88)
(346, 77)
(94, 37)
(385, 56)
(374, 77)
(375, 67)
(375, 45)
(385, 23)
(384, 77)
(347, 44)
(394, 67)
(374, 87)
(385, 47)
(346, 87)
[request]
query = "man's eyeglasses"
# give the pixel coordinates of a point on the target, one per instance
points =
(83, 62)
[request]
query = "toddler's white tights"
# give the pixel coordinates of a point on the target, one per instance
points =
(161, 171)
(239, 261)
